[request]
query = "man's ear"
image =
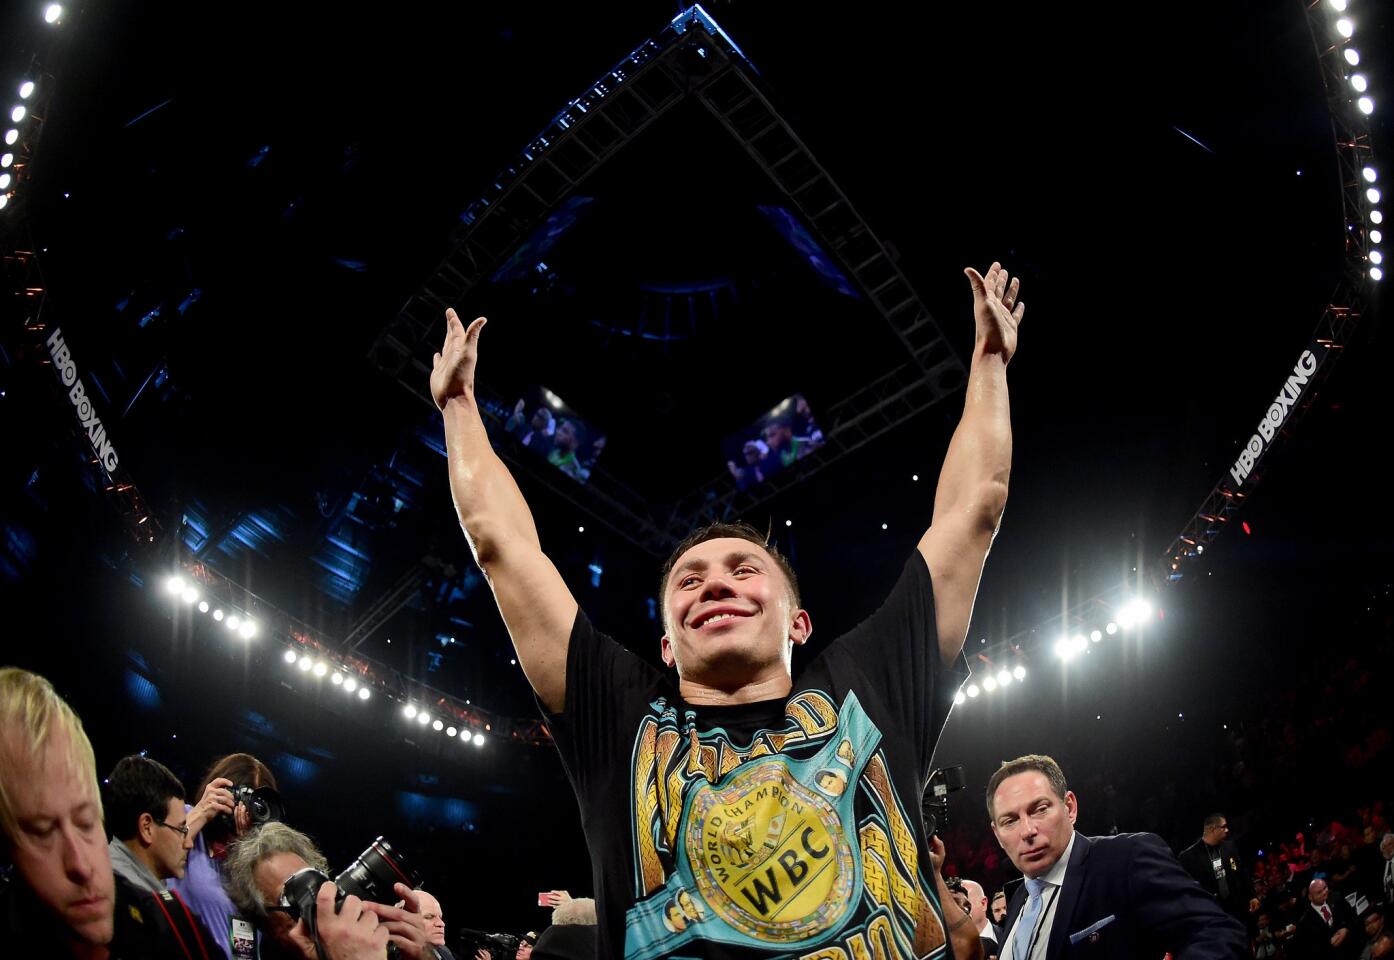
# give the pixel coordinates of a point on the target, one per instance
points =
(145, 829)
(801, 628)
(1072, 805)
(666, 651)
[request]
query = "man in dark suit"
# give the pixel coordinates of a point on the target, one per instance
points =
(1328, 927)
(1121, 897)
(1214, 861)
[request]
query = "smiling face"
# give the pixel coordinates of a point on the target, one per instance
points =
(1031, 822)
(729, 614)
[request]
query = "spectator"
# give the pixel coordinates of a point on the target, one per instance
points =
(146, 819)
(977, 909)
(1328, 927)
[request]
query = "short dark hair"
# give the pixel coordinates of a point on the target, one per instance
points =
(138, 785)
(719, 531)
(1214, 820)
(1038, 762)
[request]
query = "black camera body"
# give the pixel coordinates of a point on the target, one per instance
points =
(934, 806)
(369, 877)
(262, 803)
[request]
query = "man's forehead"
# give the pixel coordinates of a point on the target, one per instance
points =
(47, 785)
(721, 550)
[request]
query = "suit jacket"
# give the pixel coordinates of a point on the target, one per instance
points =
(1127, 897)
(1196, 860)
(1313, 937)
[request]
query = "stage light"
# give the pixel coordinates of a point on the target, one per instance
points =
(363, 693)
(290, 657)
(410, 711)
(960, 698)
(350, 685)
(479, 739)
(249, 629)
(321, 668)
(1376, 217)
(1062, 648)
(1358, 81)
(1367, 107)
(4, 201)
(884, 527)
(337, 679)
(1352, 56)
(4, 181)
(437, 726)
(1110, 628)
(1345, 27)
(53, 13)
(1376, 237)
(218, 614)
(1096, 635)
(1004, 677)
(203, 606)
(973, 690)
(1019, 672)
(17, 114)
(1376, 273)
(423, 718)
(989, 684)
(175, 585)
(915, 477)
(1338, 5)
(513, 662)
(6, 159)
(233, 622)
(11, 136)
(450, 731)
(1200, 548)
(304, 664)
(1369, 174)
(190, 594)
(788, 523)
(1376, 257)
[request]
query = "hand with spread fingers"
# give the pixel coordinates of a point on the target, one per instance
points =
(997, 309)
(452, 370)
(216, 799)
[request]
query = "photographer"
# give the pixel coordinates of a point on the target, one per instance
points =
(257, 868)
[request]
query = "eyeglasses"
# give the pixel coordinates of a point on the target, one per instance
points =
(182, 829)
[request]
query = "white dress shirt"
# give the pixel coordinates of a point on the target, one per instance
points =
(1050, 898)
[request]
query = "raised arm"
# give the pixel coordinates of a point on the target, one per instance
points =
(972, 489)
(536, 605)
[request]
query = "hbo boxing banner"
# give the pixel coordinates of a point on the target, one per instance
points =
(82, 404)
(1266, 433)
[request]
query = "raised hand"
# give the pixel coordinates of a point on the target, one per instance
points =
(997, 311)
(452, 370)
(216, 799)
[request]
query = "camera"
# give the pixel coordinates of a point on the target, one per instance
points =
(934, 807)
(262, 803)
(497, 946)
(369, 877)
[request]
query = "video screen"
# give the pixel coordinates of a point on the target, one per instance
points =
(552, 431)
(775, 442)
(792, 229)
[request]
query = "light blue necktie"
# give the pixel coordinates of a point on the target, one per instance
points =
(1026, 923)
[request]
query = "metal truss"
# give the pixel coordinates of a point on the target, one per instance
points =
(692, 56)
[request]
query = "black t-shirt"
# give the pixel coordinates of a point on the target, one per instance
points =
(783, 828)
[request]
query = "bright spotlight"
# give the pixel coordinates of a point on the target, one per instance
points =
(973, 690)
(1096, 635)
(1345, 27)
(410, 711)
(1338, 5)
(450, 731)
(248, 630)
(26, 89)
(290, 656)
(6, 159)
(1358, 81)
(17, 114)
(321, 668)
(1376, 257)
(304, 664)
(1376, 273)
(1079, 643)
(10, 137)
(1111, 628)
(1376, 237)
(218, 614)
(437, 726)
(203, 606)
(4, 181)
(1004, 677)
(363, 693)
(479, 739)
(189, 595)
(175, 585)
(53, 13)
(989, 684)
(960, 698)
(423, 718)
(1367, 107)
(350, 685)
(1352, 56)
(1062, 648)
(1376, 216)
(233, 622)
(1019, 672)
(337, 679)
